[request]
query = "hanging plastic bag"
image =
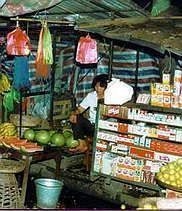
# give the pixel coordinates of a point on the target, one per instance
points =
(42, 107)
(21, 73)
(18, 43)
(159, 6)
(44, 56)
(87, 50)
(117, 92)
(9, 99)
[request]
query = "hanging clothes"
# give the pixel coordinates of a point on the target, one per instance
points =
(18, 43)
(44, 56)
(21, 73)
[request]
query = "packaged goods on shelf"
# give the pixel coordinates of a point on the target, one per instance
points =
(164, 157)
(165, 94)
(137, 145)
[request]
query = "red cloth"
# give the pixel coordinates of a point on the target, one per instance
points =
(18, 43)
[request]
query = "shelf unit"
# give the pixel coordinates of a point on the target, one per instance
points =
(133, 141)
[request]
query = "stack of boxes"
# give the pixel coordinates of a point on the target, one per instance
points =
(176, 98)
(166, 95)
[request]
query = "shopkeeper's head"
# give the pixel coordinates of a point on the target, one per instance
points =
(99, 83)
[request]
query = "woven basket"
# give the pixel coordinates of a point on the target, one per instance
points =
(148, 200)
(9, 191)
(27, 120)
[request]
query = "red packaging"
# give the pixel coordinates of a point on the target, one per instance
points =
(143, 153)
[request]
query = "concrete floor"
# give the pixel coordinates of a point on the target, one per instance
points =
(82, 191)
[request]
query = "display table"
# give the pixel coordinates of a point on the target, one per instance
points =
(46, 154)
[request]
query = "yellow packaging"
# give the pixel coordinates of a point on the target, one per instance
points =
(159, 89)
(166, 78)
(153, 89)
(166, 101)
(154, 100)
(166, 89)
(159, 100)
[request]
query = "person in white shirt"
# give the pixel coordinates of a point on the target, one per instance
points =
(81, 126)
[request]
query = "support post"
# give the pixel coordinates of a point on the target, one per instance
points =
(110, 60)
(53, 78)
(136, 75)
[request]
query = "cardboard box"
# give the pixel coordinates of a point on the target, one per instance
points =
(142, 153)
(123, 128)
(166, 147)
(108, 125)
(163, 157)
(166, 101)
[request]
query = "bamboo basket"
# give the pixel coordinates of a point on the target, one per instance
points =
(9, 191)
(27, 120)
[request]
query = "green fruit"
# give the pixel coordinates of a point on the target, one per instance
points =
(67, 133)
(42, 137)
(52, 132)
(58, 139)
(70, 142)
(29, 134)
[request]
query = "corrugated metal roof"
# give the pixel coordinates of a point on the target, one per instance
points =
(118, 19)
(84, 10)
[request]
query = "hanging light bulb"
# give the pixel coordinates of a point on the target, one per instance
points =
(2, 2)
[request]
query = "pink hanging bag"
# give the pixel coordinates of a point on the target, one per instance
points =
(87, 50)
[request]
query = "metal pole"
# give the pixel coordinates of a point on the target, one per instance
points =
(53, 78)
(20, 107)
(136, 75)
(110, 60)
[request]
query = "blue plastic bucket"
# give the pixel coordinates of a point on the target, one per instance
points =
(48, 192)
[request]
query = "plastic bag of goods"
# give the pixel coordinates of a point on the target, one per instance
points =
(117, 92)
(87, 50)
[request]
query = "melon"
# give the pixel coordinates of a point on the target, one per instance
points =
(42, 137)
(29, 134)
(67, 133)
(58, 139)
(71, 143)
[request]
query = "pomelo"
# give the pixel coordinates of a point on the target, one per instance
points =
(42, 137)
(29, 134)
(58, 139)
(67, 133)
(70, 142)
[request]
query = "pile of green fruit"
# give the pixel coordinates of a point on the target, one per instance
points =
(51, 137)
(171, 174)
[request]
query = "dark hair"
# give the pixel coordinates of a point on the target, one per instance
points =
(102, 79)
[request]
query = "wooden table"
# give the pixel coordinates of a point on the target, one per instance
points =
(47, 154)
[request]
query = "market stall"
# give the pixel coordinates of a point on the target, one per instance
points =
(48, 60)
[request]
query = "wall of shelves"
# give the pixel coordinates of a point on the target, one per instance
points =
(133, 141)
